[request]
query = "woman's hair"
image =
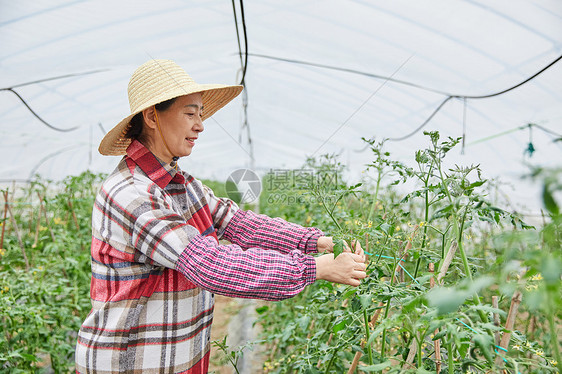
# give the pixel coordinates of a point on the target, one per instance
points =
(137, 122)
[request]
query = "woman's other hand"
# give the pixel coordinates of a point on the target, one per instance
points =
(326, 244)
(347, 268)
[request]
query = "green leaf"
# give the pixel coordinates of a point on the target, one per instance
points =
(551, 270)
(29, 357)
(484, 343)
(446, 300)
(376, 367)
(338, 247)
(476, 184)
(262, 309)
(549, 202)
(424, 371)
(339, 326)
(366, 300)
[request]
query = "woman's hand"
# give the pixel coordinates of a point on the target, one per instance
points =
(326, 244)
(347, 268)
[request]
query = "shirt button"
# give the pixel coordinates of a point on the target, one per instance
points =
(184, 207)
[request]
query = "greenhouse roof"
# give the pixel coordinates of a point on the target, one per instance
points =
(319, 76)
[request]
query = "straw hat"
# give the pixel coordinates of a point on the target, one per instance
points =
(154, 82)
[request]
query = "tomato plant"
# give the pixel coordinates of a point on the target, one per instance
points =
(455, 283)
(45, 273)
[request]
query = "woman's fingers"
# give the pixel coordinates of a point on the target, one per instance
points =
(357, 258)
(347, 268)
(358, 250)
(358, 274)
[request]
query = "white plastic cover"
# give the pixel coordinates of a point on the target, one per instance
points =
(461, 47)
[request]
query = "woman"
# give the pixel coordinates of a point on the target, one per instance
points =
(156, 259)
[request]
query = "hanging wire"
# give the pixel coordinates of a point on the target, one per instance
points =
(9, 89)
(59, 77)
(426, 88)
(476, 97)
(51, 155)
(238, 36)
(463, 126)
(518, 128)
(245, 42)
(101, 128)
(530, 147)
(243, 68)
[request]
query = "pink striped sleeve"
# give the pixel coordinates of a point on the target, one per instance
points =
(254, 273)
(248, 229)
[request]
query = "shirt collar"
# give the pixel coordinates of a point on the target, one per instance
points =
(158, 172)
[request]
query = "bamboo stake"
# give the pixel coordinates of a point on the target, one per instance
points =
(311, 328)
(411, 354)
(402, 257)
(31, 217)
(401, 270)
(447, 262)
(273, 351)
(18, 235)
(5, 215)
(366, 247)
(358, 355)
(509, 323)
(533, 324)
(73, 215)
(495, 304)
(37, 225)
(46, 217)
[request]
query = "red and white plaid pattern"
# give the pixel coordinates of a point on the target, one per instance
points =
(156, 262)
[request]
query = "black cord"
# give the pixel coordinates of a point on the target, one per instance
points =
(476, 97)
(352, 71)
(424, 123)
(377, 76)
(245, 44)
(237, 34)
(11, 89)
(390, 79)
(35, 114)
(58, 77)
(545, 130)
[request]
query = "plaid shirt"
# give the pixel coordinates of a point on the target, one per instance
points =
(156, 262)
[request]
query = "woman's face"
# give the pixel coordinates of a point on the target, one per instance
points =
(181, 124)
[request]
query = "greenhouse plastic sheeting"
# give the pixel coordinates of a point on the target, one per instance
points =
(315, 81)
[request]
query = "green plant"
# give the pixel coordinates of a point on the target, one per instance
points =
(397, 320)
(44, 301)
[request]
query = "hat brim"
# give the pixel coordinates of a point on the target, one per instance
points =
(214, 97)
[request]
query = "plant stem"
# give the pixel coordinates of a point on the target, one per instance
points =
(330, 362)
(330, 213)
(368, 335)
(374, 203)
(554, 334)
(384, 330)
(458, 231)
(426, 218)
(419, 352)
(450, 358)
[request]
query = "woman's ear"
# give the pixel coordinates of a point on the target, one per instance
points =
(149, 117)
